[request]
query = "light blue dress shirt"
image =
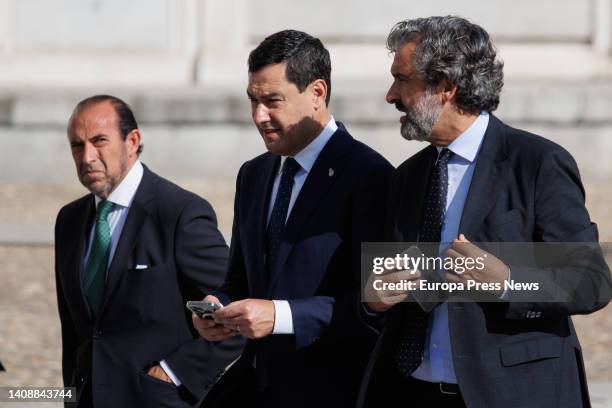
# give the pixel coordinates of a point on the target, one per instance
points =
(437, 365)
(306, 158)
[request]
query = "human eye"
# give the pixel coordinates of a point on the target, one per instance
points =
(100, 140)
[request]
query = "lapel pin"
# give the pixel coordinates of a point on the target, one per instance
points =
(331, 172)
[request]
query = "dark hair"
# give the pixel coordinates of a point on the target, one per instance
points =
(125, 117)
(453, 49)
(307, 59)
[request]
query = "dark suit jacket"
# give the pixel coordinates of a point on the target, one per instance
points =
(143, 318)
(340, 205)
(512, 354)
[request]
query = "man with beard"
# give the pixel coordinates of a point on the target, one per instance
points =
(478, 181)
(300, 214)
(127, 258)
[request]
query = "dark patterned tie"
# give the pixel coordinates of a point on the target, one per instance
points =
(409, 353)
(279, 211)
(95, 271)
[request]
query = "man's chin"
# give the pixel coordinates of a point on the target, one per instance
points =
(275, 147)
(98, 187)
(412, 135)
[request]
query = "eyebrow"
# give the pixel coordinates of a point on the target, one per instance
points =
(78, 141)
(265, 95)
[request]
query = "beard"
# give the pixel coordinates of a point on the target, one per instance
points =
(421, 118)
(105, 183)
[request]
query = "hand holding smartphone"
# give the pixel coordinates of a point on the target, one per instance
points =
(204, 310)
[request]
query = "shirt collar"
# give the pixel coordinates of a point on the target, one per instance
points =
(468, 142)
(126, 190)
(308, 155)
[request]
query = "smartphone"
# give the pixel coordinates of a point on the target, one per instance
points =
(203, 309)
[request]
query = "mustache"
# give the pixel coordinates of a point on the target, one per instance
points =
(400, 107)
(84, 168)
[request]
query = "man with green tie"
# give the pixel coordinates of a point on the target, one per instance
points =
(128, 256)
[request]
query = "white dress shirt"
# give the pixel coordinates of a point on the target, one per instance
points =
(283, 322)
(122, 197)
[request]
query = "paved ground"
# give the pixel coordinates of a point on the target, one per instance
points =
(29, 326)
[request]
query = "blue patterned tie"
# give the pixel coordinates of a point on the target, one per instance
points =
(95, 271)
(409, 353)
(279, 211)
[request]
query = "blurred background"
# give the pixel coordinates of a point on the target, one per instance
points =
(181, 64)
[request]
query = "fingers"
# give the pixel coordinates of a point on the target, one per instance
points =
(466, 248)
(210, 330)
(451, 252)
(237, 315)
(452, 277)
(211, 298)
(234, 309)
(391, 288)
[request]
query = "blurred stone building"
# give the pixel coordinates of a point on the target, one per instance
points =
(182, 66)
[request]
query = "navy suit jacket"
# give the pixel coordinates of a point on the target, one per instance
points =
(143, 318)
(340, 205)
(524, 354)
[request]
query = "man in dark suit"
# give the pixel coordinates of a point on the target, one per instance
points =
(128, 256)
(479, 181)
(301, 211)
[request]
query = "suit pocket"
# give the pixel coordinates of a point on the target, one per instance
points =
(143, 289)
(531, 351)
(155, 393)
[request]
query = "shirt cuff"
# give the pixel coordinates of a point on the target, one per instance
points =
(169, 373)
(283, 320)
(505, 295)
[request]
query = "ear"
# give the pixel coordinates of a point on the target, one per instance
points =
(319, 93)
(448, 91)
(133, 141)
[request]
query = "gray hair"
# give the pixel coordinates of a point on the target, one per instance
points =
(455, 50)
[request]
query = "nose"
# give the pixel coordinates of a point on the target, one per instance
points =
(260, 114)
(90, 154)
(392, 95)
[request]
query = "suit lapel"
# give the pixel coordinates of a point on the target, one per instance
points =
(485, 181)
(137, 214)
(264, 184)
(325, 171)
(413, 191)
(83, 219)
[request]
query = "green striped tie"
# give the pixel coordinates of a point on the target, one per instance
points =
(95, 271)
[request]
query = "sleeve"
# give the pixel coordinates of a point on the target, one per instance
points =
(581, 284)
(201, 255)
(373, 320)
(338, 318)
(235, 286)
(69, 335)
